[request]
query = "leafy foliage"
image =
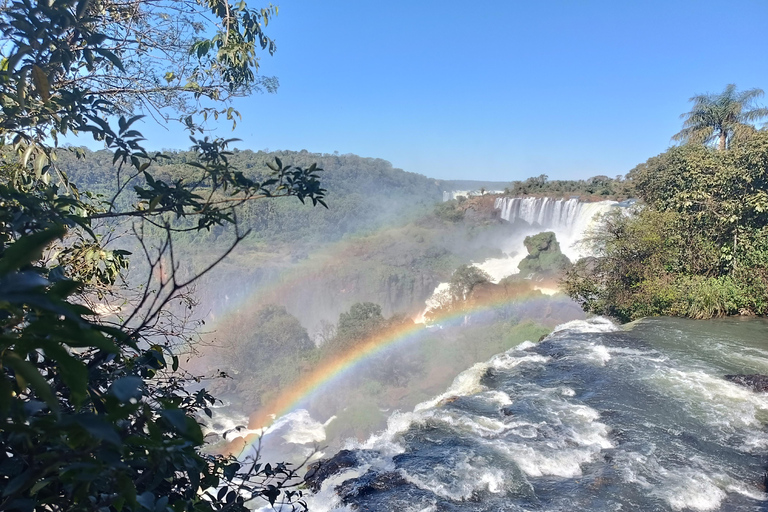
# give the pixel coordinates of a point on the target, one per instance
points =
(721, 118)
(698, 245)
(96, 414)
(544, 256)
(464, 279)
(599, 186)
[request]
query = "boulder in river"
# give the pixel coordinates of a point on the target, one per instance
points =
(369, 483)
(319, 471)
(754, 381)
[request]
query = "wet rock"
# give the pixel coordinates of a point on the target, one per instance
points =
(212, 437)
(369, 483)
(448, 400)
(320, 471)
(755, 381)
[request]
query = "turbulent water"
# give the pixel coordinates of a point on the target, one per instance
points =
(592, 418)
(570, 219)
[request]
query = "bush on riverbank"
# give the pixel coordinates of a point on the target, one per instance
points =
(697, 246)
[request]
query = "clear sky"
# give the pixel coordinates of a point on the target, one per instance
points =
(495, 90)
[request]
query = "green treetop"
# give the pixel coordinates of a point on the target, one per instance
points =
(721, 118)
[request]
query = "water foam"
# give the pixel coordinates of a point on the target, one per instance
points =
(596, 324)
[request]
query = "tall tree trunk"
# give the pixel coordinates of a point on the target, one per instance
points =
(721, 141)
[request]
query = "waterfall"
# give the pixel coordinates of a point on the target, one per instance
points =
(570, 219)
(550, 213)
(595, 417)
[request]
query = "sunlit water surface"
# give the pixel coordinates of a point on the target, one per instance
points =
(595, 417)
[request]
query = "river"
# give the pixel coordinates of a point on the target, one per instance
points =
(595, 417)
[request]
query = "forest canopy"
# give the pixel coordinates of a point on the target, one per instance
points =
(697, 246)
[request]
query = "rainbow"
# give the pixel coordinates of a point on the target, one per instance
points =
(333, 369)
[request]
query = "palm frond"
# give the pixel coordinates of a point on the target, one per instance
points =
(725, 115)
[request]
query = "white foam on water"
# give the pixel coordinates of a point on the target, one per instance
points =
(716, 401)
(554, 460)
(326, 499)
(511, 359)
(466, 383)
(480, 426)
(385, 441)
(497, 397)
(700, 485)
(302, 428)
(624, 351)
(568, 437)
(524, 430)
(459, 480)
(524, 346)
(691, 490)
(499, 268)
(597, 353)
(596, 324)
(745, 490)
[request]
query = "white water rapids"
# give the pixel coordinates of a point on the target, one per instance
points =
(593, 418)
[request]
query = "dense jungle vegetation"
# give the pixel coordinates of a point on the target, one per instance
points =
(697, 244)
(367, 193)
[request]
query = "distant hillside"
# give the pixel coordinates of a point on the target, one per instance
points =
(363, 193)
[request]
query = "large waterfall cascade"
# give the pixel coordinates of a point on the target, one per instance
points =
(570, 219)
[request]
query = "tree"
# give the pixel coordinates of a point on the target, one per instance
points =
(95, 414)
(697, 246)
(721, 118)
(361, 321)
(544, 256)
(158, 56)
(464, 279)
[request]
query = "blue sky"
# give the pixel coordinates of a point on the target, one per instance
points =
(495, 90)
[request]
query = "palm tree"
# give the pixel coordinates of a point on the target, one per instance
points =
(721, 117)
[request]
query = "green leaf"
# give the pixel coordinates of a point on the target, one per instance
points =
(99, 428)
(18, 483)
(28, 249)
(126, 388)
(40, 79)
(112, 58)
(40, 162)
(155, 201)
(146, 500)
(27, 374)
(73, 372)
(230, 470)
(39, 485)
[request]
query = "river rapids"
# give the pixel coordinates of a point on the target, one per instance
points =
(594, 417)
